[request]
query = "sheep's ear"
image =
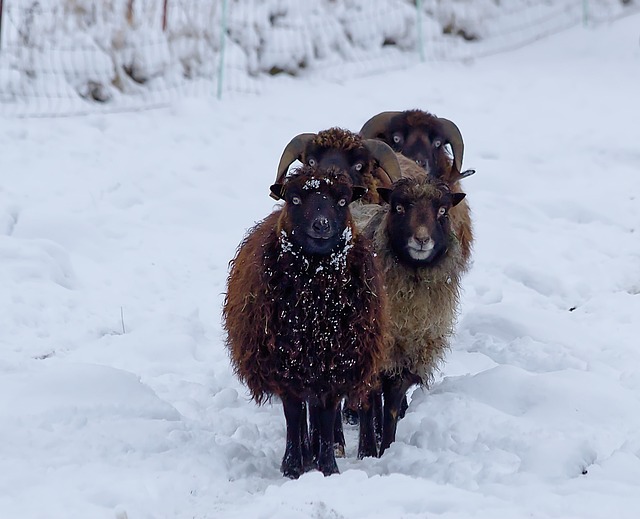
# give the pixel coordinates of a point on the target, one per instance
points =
(457, 198)
(358, 192)
(277, 190)
(385, 193)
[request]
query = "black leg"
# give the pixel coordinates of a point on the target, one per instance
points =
(308, 462)
(350, 412)
(314, 432)
(403, 407)
(326, 455)
(367, 443)
(394, 390)
(292, 460)
(377, 415)
(338, 434)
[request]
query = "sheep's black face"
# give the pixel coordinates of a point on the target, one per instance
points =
(418, 138)
(355, 161)
(317, 210)
(418, 223)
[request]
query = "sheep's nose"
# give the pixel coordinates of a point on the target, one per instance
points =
(422, 235)
(321, 225)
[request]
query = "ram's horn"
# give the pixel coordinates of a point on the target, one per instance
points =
(291, 153)
(386, 158)
(453, 136)
(377, 125)
(459, 176)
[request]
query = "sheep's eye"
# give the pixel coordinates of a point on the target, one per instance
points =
(296, 200)
(358, 166)
(442, 211)
(397, 139)
(437, 143)
(342, 202)
(312, 162)
(400, 209)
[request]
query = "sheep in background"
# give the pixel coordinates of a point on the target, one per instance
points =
(305, 310)
(422, 137)
(337, 147)
(422, 264)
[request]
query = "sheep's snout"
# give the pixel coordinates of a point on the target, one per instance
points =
(420, 245)
(320, 221)
(322, 235)
(321, 227)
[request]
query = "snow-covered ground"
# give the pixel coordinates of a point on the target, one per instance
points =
(117, 399)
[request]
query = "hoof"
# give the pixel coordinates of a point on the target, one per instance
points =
(329, 470)
(291, 472)
(367, 453)
(338, 450)
(327, 463)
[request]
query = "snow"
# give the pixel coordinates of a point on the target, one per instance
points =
(118, 400)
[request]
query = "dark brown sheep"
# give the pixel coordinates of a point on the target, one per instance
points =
(305, 311)
(369, 162)
(422, 263)
(362, 159)
(422, 137)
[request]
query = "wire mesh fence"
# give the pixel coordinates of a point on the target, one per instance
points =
(63, 57)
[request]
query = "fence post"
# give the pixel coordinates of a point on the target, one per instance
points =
(223, 33)
(129, 14)
(419, 24)
(1, 10)
(164, 15)
(585, 12)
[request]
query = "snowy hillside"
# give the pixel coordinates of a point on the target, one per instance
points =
(115, 233)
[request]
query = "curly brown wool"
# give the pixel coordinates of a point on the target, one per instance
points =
(339, 139)
(305, 327)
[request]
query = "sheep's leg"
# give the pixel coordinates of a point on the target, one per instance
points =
(292, 460)
(394, 390)
(338, 433)
(350, 414)
(326, 455)
(307, 453)
(403, 407)
(377, 415)
(314, 424)
(367, 443)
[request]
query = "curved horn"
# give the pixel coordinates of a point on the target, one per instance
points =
(452, 135)
(293, 151)
(386, 158)
(377, 125)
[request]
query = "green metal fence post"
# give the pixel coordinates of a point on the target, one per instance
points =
(223, 34)
(419, 24)
(1, 9)
(585, 12)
